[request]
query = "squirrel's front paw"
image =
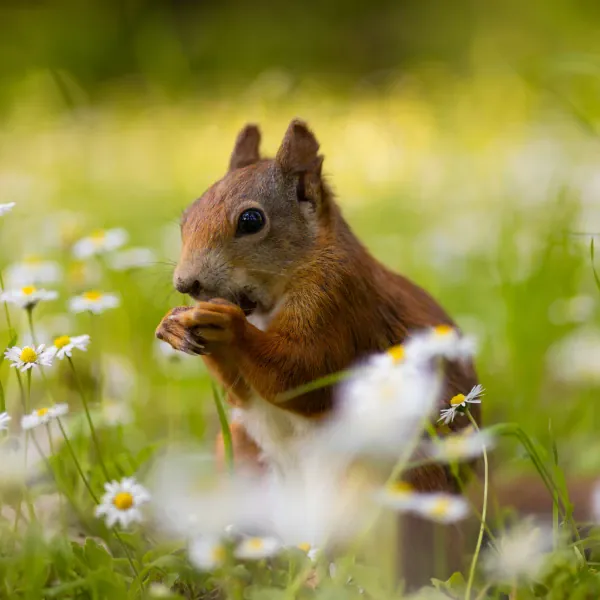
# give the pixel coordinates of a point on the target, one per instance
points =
(214, 323)
(178, 336)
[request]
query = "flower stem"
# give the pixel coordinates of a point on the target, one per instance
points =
(483, 513)
(88, 417)
(11, 331)
(31, 328)
(225, 430)
(91, 492)
(21, 390)
(76, 461)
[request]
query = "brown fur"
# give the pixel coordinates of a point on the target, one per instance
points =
(336, 302)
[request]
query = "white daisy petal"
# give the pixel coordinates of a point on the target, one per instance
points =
(100, 242)
(93, 301)
(28, 357)
(256, 548)
(6, 208)
(132, 258)
(28, 296)
(4, 421)
(42, 416)
(33, 270)
(206, 553)
(122, 501)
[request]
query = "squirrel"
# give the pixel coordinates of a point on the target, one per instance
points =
(287, 294)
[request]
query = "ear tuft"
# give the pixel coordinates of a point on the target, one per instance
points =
(298, 151)
(246, 149)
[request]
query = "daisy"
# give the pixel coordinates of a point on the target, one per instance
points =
(34, 270)
(94, 302)
(520, 554)
(42, 416)
(99, 242)
(310, 551)
(441, 507)
(4, 420)
(5, 208)
(382, 406)
(132, 258)
(28, 357)
(121, 502)
(459, 404)
(463, 446)
(443, 341)
(398, 495)
(256, 548)
(206, 553)
(64, 345)
(28, 296)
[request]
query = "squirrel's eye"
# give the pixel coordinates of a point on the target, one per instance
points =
(250, 221)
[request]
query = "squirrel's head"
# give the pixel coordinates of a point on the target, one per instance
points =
(244, 237)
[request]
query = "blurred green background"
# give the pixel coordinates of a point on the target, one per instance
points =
(461, 139)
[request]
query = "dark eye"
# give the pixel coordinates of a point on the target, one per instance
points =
(250, 221)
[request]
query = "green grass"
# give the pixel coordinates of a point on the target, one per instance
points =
(481, 200)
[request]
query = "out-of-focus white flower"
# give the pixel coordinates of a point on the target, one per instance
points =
(100, 242)
(443, 341)
(520, 554)
(27, 296)
(83, 274)
(16, 466)
(64, 345)
(441, 507)
(4, 421)
(93, 301)
(382, 406)
(33, 270)
(119, 376)
(256, 548)
(160, 590)
(206, 553)
(121, 502)
(115, 412)
(42, 416)
(461, 446)
(311, 551)
(575, 358)
(5, 208)
(132, 258)
(399, 495)
(28, 357)
(459, 403)
(577, 309)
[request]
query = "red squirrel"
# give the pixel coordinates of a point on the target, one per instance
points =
(287, 294)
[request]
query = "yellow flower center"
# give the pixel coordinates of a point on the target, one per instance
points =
(92, 295)
(305, 547)
(62, 341)
(457, 400)
(218, 554)
(40, 412)
(98, 236)
(443, 329)
(396, 352)
(440, 507)
(400, 488)
(28, 355)
(32, 259)
(28, 290)
(123, 500)
(256, 543)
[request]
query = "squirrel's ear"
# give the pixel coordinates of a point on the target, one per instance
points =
(246, 149)
(298, 151)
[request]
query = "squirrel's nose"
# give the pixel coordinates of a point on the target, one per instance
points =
(188, 286)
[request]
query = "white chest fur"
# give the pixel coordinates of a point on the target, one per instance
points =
(278, 433)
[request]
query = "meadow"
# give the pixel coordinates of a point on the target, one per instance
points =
(485, 191)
